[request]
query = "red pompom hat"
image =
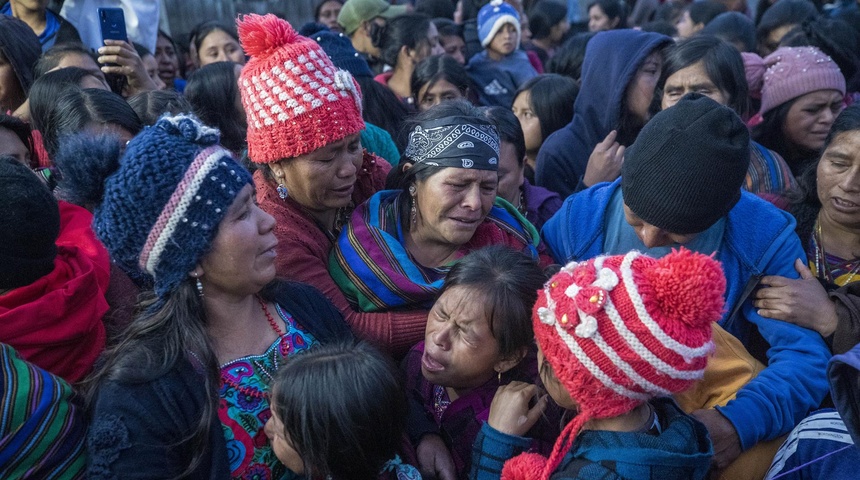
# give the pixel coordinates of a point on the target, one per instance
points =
(295, 99)
(621, 330)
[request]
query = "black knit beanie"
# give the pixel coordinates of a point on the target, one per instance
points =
(686, 168)
(29, 226)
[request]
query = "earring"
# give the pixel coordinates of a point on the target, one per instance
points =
(199, 286)
(282, 191)
(500, 377)
(414, 210)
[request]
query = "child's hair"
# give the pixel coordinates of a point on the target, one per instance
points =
(435, 68)
(343, 408)
(506, 281)
(552, 99)
(152, 104)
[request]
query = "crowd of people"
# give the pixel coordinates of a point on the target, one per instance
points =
(439, 239)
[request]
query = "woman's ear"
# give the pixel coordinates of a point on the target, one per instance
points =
(197, 272)
(277, 169)
(511, 360)
(405, 166)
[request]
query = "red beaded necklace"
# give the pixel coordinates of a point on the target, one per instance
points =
(249, 391)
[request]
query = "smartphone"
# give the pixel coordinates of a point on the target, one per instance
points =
(112, 23)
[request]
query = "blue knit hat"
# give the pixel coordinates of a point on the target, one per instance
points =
(161, 206)
(339, 48)
(492, 17)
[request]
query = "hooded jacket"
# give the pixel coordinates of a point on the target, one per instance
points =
(611, 61)
(56, 321)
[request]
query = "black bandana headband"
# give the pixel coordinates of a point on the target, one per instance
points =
(461, 142)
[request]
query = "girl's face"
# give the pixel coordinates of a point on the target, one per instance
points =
(529, 121)
(599, 21)
(328, 15)
(505, 41)
(427, 47)
(640, 91)
(838, 180)
(553, 386)
(460, 352)
(810, 117)
(281, 444)
(433, 94)
(219, 46)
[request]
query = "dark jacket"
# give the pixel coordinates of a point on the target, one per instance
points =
(611, 61)
(847, 334)
(139, 430)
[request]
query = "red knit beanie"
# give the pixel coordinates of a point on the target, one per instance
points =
(621, 330)
(295, 99)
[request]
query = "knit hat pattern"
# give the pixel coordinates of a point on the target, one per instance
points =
(686, 168)
(795, 71)
(620, 330)
(295, 99)
(493, 16)
(29, 226)
(162, 207)
(343, 55)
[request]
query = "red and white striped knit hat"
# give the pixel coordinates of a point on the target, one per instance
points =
(295, 99)
(620, 330)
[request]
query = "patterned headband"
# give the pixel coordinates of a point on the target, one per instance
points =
(459, 142)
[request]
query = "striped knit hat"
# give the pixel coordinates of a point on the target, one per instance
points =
(295, 99)
(162, 207)
(621, 330)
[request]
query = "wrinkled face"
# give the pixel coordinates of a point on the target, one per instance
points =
(838, 180)
(452, 203)
(692, 79)
(810, 117)
(281, 443)
(460, 351)
(151, 66)
(598, 21)
(530, 123)
(686, 26)
(168, 62)
(241, 259)
(640, 91)
(433, 94)
(322, 180)
(11, 93)
(455, 47)
(652, 235)
(511, 171)
(12, 146)
(505, 41)
(219, 46)
(328, 15)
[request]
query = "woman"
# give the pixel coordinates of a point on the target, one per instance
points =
(619, 79)
(326, 13)
(168, 62)
(189, 380)
(438, 79)
(397, 247)
(312, 169)
(215, 42)
(543, 105)
(19, 50)
(828, 223)
(778, 20)
(549, 26)
(801, 95)
(535, 203)
(214, 93)
(403, 43)
(607, 15)
(478, 338)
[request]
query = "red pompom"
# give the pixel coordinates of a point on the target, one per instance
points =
(526, 466)
(261, 34)
(688, 287)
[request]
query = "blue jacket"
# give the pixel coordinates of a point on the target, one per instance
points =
(759, 240)
(611, 61)
(681, 451)
(498, 81)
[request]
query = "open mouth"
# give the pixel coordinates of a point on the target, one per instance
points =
(845, 204)
(429, 364)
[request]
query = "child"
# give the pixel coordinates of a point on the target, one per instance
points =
(615, 334)
(338, 412)
(502, 67)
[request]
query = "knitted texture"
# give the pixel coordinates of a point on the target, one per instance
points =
(620, 330)
(344, 56)
(295, 99)
(492, 17)
(668, 176)
(161, 208)
(29, 226)
(795, 71)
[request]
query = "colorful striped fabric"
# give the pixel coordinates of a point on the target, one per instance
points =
(42, 431)
(768, 172)
(370, 264)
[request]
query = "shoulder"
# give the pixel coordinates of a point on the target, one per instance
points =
(311, 308)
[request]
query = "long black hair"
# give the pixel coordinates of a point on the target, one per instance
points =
(551, 97)
(381, 107)
(343, 407)
(439, 67)
(213, 92)
(408, 30)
